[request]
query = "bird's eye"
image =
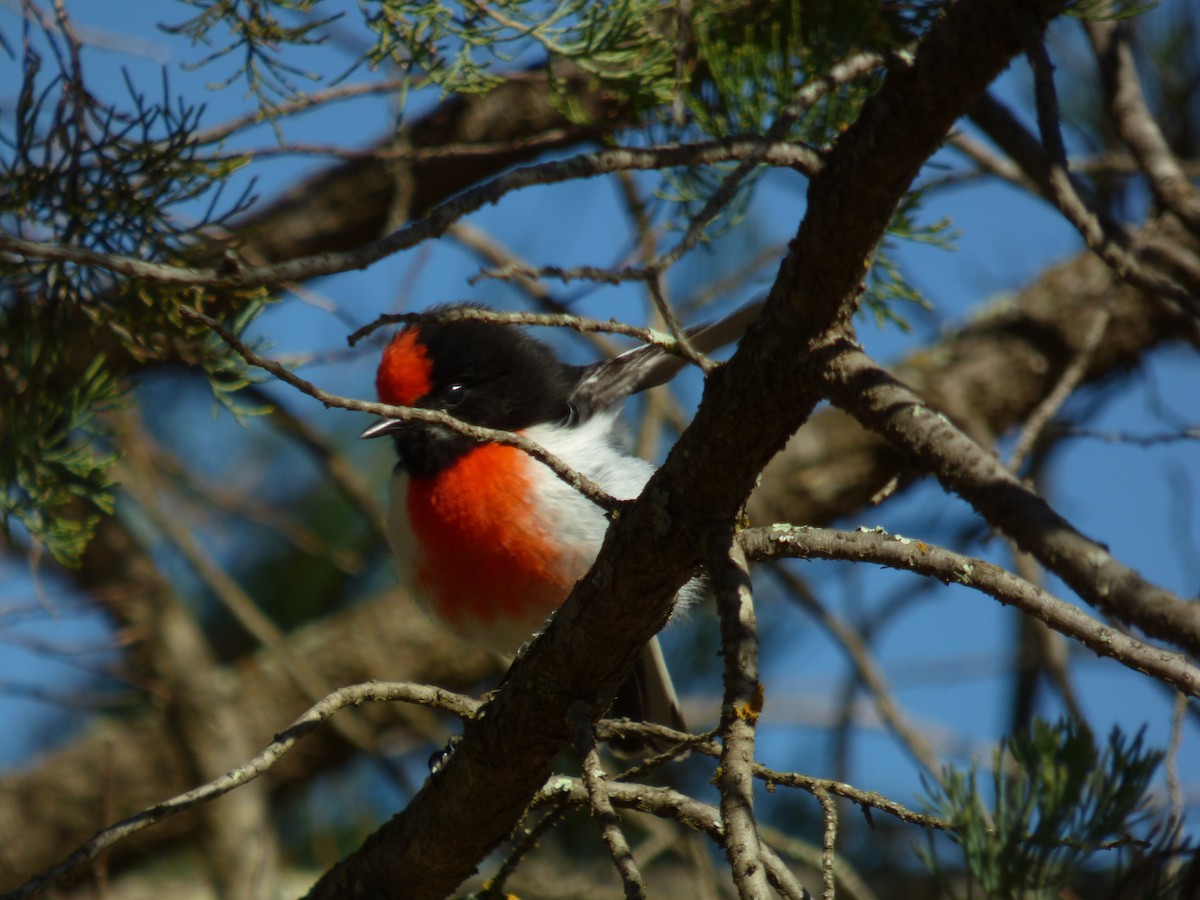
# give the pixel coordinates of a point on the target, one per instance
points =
(452, 395)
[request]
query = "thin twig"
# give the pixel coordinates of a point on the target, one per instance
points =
(494, 888)
(1135, 123)
(548, 320)
(1174, 787)
(1109, 243)
(336, 467)
(238, 502)
(868, 671)
(296, 105)
(491, 250)
(551, 138)
(740, 709)
(435, 223)
(829, 814)
(706, 746)
(1070, 379)
(242, 607)
(937, 562)
(990, 162)
(674, 805)
(596, 784)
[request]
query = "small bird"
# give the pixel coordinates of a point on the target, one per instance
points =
(489, 540)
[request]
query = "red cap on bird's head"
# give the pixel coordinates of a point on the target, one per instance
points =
(406, 372)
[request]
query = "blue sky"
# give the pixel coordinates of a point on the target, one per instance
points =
(946, 655)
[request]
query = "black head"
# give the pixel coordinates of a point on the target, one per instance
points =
(483, 373)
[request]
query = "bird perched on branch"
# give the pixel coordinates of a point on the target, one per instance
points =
(490, 540)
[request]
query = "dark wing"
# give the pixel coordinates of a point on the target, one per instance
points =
(647, 695)
(610, 381)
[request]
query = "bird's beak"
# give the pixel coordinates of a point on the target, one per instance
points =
(382, 427)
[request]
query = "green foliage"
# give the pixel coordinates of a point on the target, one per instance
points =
(1056, 800)
(87, 175)
(750, 59)
(254, 34)
(455, 45)
(887, 287)
(47, 461)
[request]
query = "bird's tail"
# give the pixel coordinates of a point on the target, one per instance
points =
(647, 695)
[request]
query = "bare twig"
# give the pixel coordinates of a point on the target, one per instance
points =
(828, 839)
(1174, 789)
(854, 67)
(241, 605)
(581, 324)
(928, 559)
(867, 800)
(850, 884)
(773, 778)
(1135, 123)
(494, 888)
(550, 138)
(990, 162)
(240, 503)
(1070, 379)
(341, 474)
(596, 784)
(299, 104)
(488, 248)
(433, 225)
(1108, 240)
(671, 804)
(740, 710)
(865, 666)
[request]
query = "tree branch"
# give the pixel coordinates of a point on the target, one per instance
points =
(53, 803)
(234, 274)
(934, 445)
(740, 708)
(1129, 112)
(910, 554)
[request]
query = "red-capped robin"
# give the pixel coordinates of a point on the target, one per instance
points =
(489, 540)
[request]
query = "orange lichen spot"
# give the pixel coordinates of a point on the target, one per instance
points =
(750, 710)
(406, 372)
